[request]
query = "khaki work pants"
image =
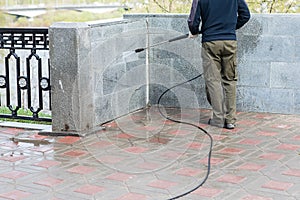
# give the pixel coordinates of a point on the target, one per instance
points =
(220, 73)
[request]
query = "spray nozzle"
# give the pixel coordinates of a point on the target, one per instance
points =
(163, 42)
(139, 50)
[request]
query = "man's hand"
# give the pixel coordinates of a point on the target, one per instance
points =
(192, 36)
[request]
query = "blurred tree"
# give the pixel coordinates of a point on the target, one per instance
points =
(274, 6)
(138, 6)
(256, 6)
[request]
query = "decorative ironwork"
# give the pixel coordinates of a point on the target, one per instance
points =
(19, 38)
(20, 79)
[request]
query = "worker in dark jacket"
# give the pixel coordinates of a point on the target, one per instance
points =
(219, 20)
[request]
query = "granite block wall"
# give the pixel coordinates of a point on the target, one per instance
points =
(268, 60)
(97, 75)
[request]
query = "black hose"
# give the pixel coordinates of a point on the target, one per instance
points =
(187, 123)
(182, 122)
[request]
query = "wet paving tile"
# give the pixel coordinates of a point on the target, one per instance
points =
(134, 159)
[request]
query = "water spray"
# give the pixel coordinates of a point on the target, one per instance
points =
(182, 122)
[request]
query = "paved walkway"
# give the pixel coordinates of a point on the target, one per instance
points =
(143, 156)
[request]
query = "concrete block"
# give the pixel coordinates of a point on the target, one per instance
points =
(281, 101)
(253, 99)
(297, 49)
(285, 75)
(111, 77)
(254, 73)
(297, 101)
(265, 100)
(103, 109)
(257, 25)
(272, 48)
(248, 45)
(161, 23)
(180, 24)
(283, 24)
(114, 105)
(177, 62)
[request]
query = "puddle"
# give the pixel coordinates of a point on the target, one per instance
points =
(35, 142)
(31, 138)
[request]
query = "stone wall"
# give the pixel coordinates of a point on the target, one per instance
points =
(97, 76)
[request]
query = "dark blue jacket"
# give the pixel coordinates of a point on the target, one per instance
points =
(220, 18)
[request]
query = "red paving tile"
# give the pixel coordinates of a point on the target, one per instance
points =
(235, 130)
(208, 192)
(148, 128)
(47, 163)
(275, 185)
(120, 176)
(195, 145)
(187, 171)
(15, 194)
(159, 140)
(172, 154)
(136, 150)
(168, 122)
(68, 140)
(271, 156)
(297, 137)
(247, 122)
(292, 172)
(263, 116)
(218, 137)
(112, 124)
(37, 136)
(288, 147)
(11, 145)
(162, 184)
(281, 126)
(229, 178)
(213, 161)
(49, 181)
(251, 167)
(89, 189)
(267, 133)
(231, 151)
(124, 136)
(180, 132)
(250, 142)
(11, 131)
(13, 158)
(81, 169)
(75, 153)
(13, 174)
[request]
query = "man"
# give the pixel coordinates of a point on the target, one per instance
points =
(220, 19)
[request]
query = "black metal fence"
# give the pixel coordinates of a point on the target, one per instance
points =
(25, 80)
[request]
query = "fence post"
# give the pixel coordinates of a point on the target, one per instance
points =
(72, 84)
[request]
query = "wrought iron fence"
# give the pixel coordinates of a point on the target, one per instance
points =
(24, 78)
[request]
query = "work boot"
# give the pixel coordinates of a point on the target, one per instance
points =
(229, 126)
(214, 123)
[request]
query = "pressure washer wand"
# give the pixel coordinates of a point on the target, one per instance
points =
(160, 43)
